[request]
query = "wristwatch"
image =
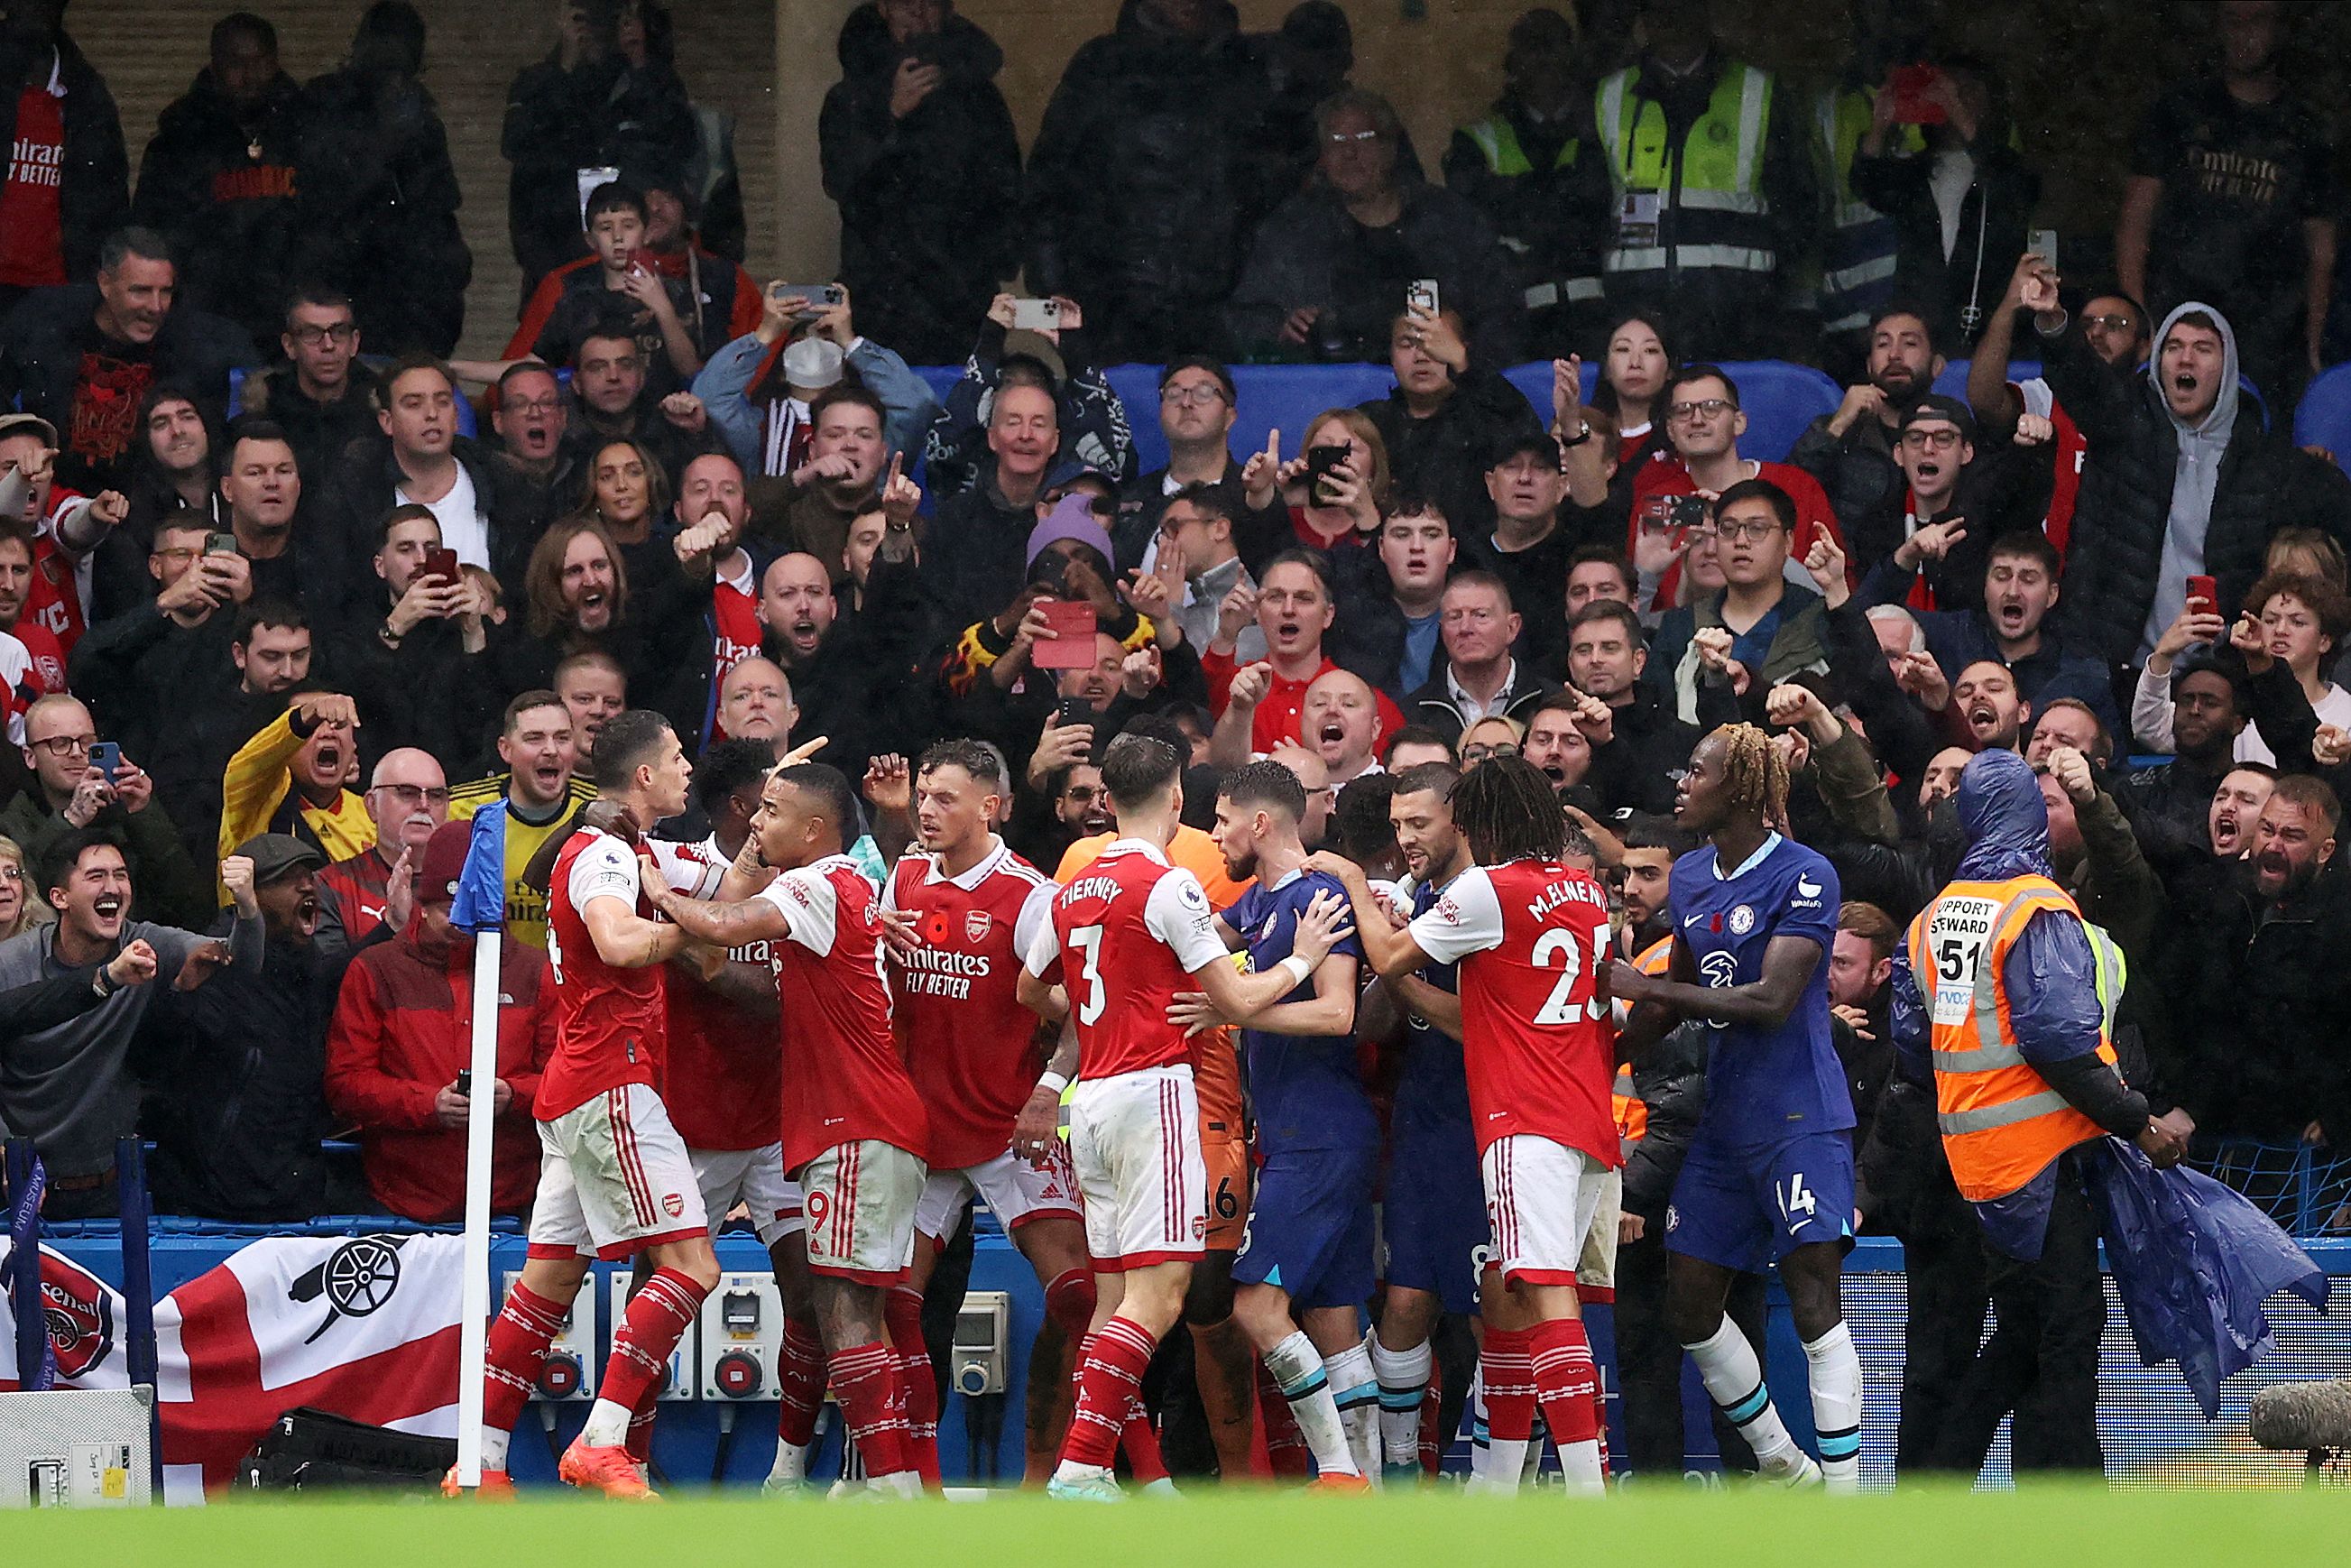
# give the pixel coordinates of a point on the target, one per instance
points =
(391, 638)
(102, 983)
(1582, 433)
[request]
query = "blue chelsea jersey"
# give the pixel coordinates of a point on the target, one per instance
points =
(1763, 1086)
(1306, 1090)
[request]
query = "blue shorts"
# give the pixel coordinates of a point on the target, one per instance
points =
(1743, 1209)
(1435, 1217)
(1310, 1229)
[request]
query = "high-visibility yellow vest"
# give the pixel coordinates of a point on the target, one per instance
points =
(1857, 272)
(1713, 213)
(1497, 141)
(2001, 1122)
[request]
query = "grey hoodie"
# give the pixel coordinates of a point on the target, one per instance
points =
(2201, 447)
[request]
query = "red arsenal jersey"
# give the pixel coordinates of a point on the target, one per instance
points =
(607, 1021)
(970, 1045)
(723, 1078)
(843, 1080)
(1128, 932)
(1530, 937)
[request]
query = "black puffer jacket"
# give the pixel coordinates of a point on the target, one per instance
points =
(2112, 577)
(95, 196)
(1147, 175)
(930, 204)
(221, 186)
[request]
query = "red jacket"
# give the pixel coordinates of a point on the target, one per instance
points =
(402, 1028)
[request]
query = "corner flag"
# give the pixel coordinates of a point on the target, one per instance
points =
(480, 907)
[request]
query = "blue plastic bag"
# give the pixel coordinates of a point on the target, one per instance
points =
(2193, 1262)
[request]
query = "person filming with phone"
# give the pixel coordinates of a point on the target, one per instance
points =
(80, 781)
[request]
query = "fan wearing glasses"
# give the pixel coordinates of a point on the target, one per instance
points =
(1758, 628)
(78, 782)
(1927, 525)
(1703, 423)
(323, 396)
(407, 797)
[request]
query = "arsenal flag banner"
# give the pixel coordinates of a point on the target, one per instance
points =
(364, 1326)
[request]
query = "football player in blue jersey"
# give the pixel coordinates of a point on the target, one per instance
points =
(1769, 1170)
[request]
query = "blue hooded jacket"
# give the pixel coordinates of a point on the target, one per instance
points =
(2051, 976)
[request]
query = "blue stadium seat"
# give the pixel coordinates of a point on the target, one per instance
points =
(2323, 418)
(1780, 399)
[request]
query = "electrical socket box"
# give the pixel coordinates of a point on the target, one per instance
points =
(572, 1365)
(682, 1381)
(981, 1359)
(742, 1339)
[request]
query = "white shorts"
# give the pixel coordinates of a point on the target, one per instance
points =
(1015, 1191)
(613, 1179)
(1540, 1197)
(859, 1199)
(754, 1179)
(1135, 1143)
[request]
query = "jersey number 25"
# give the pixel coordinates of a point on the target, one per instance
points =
(1561, 947)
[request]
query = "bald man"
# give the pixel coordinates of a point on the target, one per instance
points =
(407, 797)
(796, 606)
(1340, 722)
(754, 703)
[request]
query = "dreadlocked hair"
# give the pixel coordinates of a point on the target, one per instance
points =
(1508, 810)
(1758, 770)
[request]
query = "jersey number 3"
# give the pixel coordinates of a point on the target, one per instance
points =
(1087, 940)
(1559, 1009)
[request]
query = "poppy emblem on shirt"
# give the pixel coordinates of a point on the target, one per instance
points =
(976, 924)
(935, 928)
(1714, 923)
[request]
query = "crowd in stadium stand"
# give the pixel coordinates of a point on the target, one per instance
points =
(282, 589)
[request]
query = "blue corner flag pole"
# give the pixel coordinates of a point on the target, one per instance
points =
(479, 907)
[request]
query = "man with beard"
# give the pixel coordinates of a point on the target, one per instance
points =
(812, 508)
(2252, 1043)
(1985, 711)
(542, 792)
(2021, 589)
(217, 179)
(407, 799)
(1643, 743)
(1851, 451)
(324, 395)
(840, 668)
(70, 1088)
(241, 1072)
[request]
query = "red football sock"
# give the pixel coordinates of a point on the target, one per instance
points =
(1110, 1385)
(1508, 1365)
(1286, 1453)
(866, 1377)
(1139, 1440)
(519, 1336)
(641, 1427)
(902, 1311)
(801, 1369)
(1069, 1302)
(1565, 1380)
(658, 1316)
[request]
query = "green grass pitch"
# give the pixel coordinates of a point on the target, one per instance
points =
(2072, 1526)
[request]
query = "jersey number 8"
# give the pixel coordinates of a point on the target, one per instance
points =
(1559, 1009)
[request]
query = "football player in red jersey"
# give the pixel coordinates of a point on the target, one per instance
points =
(1532, 937)
(974, 909)
(854, 1129)
(614, 1179)
(1127, 936)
